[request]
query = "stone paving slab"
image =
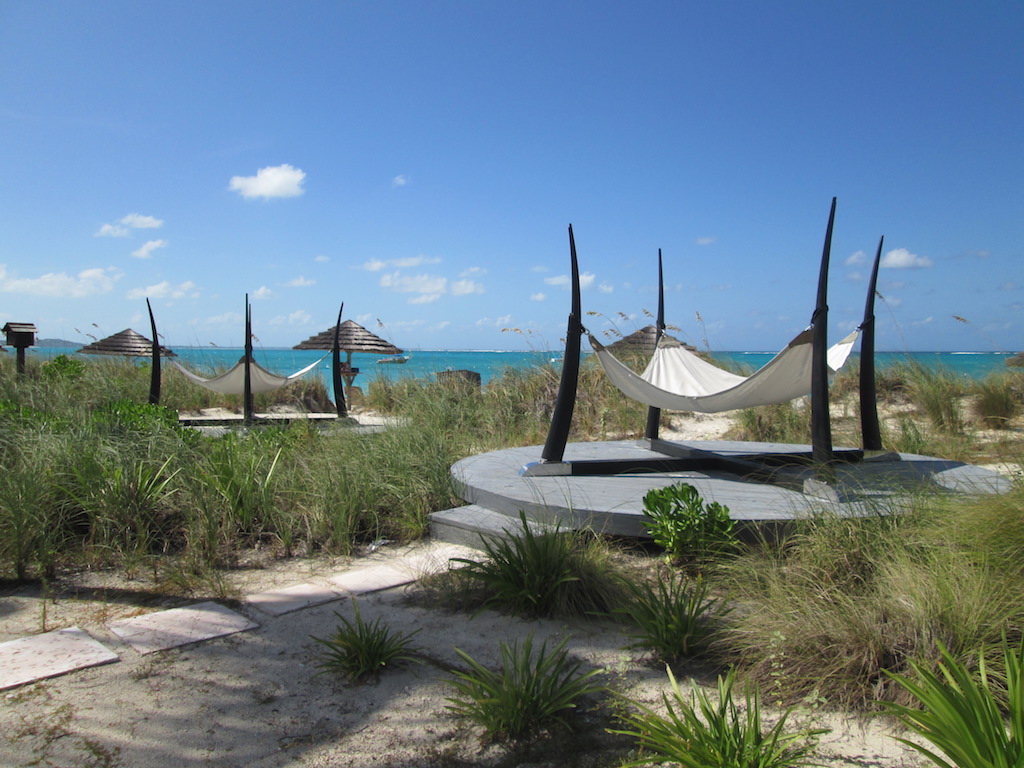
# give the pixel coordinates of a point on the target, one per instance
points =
(277, 602)
(372, 579)
(180, 626)
(28, 659)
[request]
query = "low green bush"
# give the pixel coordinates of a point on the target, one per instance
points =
(687, 528)
(359, 651)
(529, 693)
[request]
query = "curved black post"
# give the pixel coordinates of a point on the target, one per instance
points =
(249, 411)
(871, 434)
(821, 424)
(654, 414)
(561, 418)
(154, 368)
(339, 389)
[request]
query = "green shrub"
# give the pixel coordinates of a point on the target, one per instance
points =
(962, 714)
(529, 693)
(675, 617)
(780, 423)
(722, 734)
(62, 367)
(996, 402)
(359, 651)
(937, 394)
(543, 574)
(685, 527)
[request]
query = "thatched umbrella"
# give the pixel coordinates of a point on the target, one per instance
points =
(348, 336)
(127, 343)
(644, 341)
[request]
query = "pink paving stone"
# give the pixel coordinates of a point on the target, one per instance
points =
(180, 626)
(371, 579)
(287, 599)
(28, 659)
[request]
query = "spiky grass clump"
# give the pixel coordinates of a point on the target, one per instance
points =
(937, 394)
(529, 693)
(544, 573)
(996, 400)
(359, 651)
(675, 617)
(973, 720)
(781, 423)
(706, 733)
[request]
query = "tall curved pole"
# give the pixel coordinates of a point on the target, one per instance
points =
(821, 424)
(561, 418)
(154, 368)
(249, 411)
(654, 414)
(871, 433)
(339, 389)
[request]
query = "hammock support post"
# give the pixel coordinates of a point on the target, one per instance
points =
(654, 414)
(561, 418)
(871, 434)
(249, 411)
(821, 424)
(339, 389)
(154, 375)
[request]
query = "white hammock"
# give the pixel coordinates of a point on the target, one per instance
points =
(678, 380)
(233, 382)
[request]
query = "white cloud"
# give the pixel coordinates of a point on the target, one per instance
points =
(232, 319)
(429, 287)
(473, 272)
(376, 265)
(322, 259)
(273, 181)
(537, 297)
(300, 317)
(425, 298)
(300, 282)
(501, 322)
(564, 281)
(606, 288)
(539, 268)
(146, 251)
(400, 180)
(706, 240)
(261, 293)
(855, 259)
(466, 287)
(88, 282)
(165, 290)
(112, 230)
(138, 221)
(901, 258)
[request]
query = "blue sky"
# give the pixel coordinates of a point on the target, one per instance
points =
(421, 162)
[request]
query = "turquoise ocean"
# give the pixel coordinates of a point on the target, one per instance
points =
(491, 363)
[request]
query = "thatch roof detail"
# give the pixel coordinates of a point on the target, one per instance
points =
(352, 338)
(643, 341)
(127, 343)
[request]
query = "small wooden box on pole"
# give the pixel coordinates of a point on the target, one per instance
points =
(21, 336)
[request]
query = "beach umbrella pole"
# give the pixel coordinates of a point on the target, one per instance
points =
(561, 418)
(871, 434)
(654, 414)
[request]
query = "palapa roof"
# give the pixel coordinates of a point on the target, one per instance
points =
(127, 343)
(643, 340)
(352, 338)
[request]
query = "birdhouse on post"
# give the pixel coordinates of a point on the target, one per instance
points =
(21, 336)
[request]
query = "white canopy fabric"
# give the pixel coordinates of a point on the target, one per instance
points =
(679, 380)
(233, 381)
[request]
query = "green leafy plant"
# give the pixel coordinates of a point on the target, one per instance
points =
(701, 733)
(540, 574)
(529, 693)
(961, 713)
(62, 367)
(674, 616)
(687, 529)
(358, 650)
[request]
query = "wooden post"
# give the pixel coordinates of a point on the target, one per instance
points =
(154, 369)
(871, 434)
(565, 403)
(248, 409)
(654, 414)
(339, 389)
(821, 424)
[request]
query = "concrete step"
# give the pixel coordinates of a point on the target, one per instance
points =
(468, 526)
